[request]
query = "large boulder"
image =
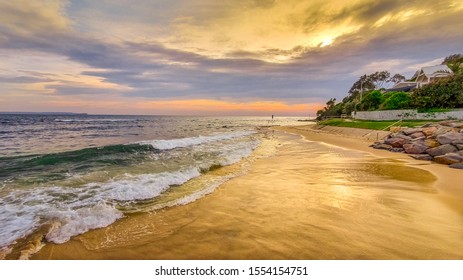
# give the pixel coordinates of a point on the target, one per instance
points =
(400, 135)
(395, 129)
(415, 148)
(422, 157)
(417, 135)
(449, 137)
(396, 142)
(441, 150)
(449, 158)
(456, 125)
(457, 165)
(428, 131)
(381, 146)
(442, 130)
(410, 131)
(431, 143)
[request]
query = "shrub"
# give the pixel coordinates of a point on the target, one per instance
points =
(396, 101)
(372, 100)
(447, 93)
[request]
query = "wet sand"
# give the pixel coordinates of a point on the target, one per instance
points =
(324, 196)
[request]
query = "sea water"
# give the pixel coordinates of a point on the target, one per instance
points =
(66, 174)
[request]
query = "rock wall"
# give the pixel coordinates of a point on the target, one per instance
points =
(407, 115)
(440, 142)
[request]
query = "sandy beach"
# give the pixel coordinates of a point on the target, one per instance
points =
(305, 194)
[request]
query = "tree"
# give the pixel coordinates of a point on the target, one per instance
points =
(454, 62)
(330, 104)
(372, 100)
(380, 79)
(364, 83)
(396, 100)
(331, 109)
(367, 83)
(447, 93)
(397, 78)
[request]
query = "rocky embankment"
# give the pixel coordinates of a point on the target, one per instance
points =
(439, 142)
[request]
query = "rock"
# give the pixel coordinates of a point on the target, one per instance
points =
(456, 142)
(415, 148)
(449, 158)
(400, 135)
(417, 135)
(409, 131)
(421, 157)
(455, 125)
(381, 146)
(395, 129)
(446, 123)
(442, 130)
(457, 165)
(431, 143)
(428, 131)
(441, 150)
(397, 150)
(449, 137)
(396, 142)
(459, 146)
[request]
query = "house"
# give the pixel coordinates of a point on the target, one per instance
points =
(402, 86)
(431, 74)
(424, 76)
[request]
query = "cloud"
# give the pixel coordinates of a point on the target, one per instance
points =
(28, 17)
(240, 51)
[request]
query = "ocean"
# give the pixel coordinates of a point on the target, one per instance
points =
(64, 175)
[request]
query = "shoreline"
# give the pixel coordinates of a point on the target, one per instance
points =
(447, 179)
(317, 196)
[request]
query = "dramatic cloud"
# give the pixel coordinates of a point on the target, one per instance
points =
(187, 56)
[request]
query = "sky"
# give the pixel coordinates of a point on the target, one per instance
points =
(209, 57)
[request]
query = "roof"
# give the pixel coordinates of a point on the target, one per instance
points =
(403, 84)
(431, 71)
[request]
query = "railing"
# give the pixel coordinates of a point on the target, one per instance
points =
(389, 126)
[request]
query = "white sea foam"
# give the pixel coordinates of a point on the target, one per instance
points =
(75, 210)
(73, 222)
(191, 141)
(145, 186)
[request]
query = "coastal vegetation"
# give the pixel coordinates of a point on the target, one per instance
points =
(376, 125)
(368, 93)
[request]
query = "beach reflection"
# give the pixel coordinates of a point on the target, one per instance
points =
(307, 201)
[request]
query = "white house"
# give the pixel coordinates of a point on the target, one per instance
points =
(431, 74)
(422, 77)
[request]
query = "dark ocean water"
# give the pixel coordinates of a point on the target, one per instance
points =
(72, 173)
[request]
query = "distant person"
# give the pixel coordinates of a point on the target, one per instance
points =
(272, 117)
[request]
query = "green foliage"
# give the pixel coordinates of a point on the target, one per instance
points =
(365, 95)
(376, 125)
(455, 63)
(371, 101)
(447, 93)
(331, 109)
(367, 83)
(396, 100)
